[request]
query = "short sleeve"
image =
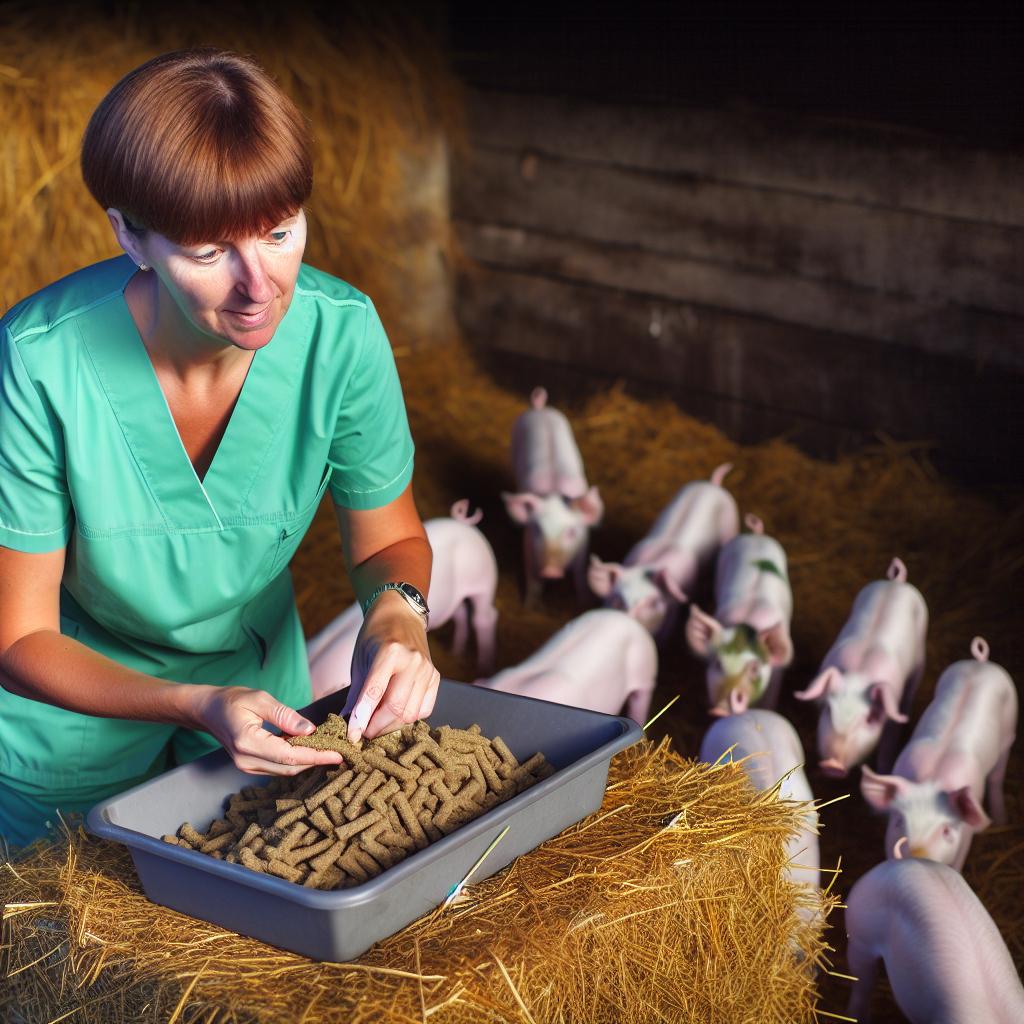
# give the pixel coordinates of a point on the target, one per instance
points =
(35, 507)
(371, 455)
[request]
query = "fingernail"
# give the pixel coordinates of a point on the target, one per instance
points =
(308, 726)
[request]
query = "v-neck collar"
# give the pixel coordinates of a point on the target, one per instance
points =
(138, 401)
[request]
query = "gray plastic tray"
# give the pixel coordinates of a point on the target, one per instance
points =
(341, 925)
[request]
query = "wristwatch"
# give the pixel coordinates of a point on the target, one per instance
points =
(414, 598)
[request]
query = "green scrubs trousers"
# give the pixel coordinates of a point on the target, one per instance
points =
(182, 579)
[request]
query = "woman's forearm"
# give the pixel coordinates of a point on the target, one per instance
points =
(56, 669)
(407, 561)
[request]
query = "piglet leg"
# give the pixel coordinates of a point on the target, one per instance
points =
(584, 595)
(770, 697)
(638, 706)
(994, 790)
(864, 967)
(532, 585)
(485, 619)
(461, 635)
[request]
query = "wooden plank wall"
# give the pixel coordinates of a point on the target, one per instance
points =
(773, 273)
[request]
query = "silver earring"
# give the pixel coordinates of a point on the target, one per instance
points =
(143, 266)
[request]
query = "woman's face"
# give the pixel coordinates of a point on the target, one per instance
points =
(237, 291)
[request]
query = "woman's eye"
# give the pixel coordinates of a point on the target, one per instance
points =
(205, 257)
(279, 236)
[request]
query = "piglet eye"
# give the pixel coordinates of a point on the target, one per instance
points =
(947, 832)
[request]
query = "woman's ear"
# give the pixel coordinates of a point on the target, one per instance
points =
(126, 238)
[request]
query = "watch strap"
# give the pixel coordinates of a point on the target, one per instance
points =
(413, 598)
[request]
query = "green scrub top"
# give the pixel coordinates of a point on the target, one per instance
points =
(182, 579)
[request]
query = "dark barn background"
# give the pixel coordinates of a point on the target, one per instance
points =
(789, 224)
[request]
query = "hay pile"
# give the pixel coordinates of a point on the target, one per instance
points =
(371, 79)
(667, 904)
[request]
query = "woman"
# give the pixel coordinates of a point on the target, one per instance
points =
(169, 421)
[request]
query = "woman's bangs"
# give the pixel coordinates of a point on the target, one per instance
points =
(222, 201)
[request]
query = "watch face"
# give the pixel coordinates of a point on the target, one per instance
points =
(410, 591)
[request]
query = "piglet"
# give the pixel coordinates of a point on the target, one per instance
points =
(597, 661)
(653, 580)
(933, 797)
(463, 579)
(773, 750)
(944, 957)
(554, 503)
(867, 681)
(747, 643)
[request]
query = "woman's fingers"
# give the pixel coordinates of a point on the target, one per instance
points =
(374, 687)
(404, 692)
(264, 745)
(285, 718)
(429, 696)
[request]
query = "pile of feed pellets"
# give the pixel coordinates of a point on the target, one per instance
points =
(333, 828)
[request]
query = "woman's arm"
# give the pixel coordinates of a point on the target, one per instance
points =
(393, 678)
(38, 662)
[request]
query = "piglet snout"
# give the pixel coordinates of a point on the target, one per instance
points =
(834, 768)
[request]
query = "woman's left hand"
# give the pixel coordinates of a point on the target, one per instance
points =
(393, 678)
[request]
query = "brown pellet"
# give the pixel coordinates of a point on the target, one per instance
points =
(219, 842)
(311, 778)
(385, 764)
(319, 820)
(342, 779)
(379, 801)
(251, 861)
(409, 819)
(490, 775)
(289, 818)
(335, 810)
(191, 836)
(286, 871)
(530, 766)
(354, 827)
(297, 856)
(352, 864)
(374, 782)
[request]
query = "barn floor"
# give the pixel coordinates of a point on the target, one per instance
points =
(840, 522)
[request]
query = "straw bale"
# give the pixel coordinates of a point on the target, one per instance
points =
(372, 80)
(669, 903)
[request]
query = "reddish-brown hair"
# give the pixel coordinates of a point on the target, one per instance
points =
(199, 145)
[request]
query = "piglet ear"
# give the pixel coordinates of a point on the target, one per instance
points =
(969, 809)
(883, 703)
(738, 701)
(823, 683)
(880, 790)
(601, 576)
(520, 506)
(663, 578)
(702, 631)
(590, 506)
(776, 641)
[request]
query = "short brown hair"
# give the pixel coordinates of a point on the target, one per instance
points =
(199, 145)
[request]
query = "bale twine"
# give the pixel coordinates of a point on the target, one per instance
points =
(667, 904)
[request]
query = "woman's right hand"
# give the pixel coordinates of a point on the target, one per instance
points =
(234, 715)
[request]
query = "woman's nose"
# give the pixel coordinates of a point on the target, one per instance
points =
(252, 279)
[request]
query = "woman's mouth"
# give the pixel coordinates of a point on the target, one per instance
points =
(251, 320)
